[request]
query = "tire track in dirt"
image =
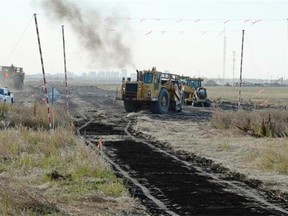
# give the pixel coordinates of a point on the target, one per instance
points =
(223, 197)
(169, 185)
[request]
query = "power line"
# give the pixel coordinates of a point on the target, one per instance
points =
(18, 42)
(179, 20)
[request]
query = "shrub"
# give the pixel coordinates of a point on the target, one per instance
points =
(271, 123)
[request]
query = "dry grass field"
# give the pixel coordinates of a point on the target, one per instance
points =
(260, 95)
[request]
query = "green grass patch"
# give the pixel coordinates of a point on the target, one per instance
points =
(112, 188)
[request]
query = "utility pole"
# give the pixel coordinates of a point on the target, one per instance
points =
(240, 82)
(43, 72)
(224, 52)
(65, 71)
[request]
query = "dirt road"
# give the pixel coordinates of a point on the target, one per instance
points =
(172, 162)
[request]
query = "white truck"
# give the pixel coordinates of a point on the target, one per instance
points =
(6, 96)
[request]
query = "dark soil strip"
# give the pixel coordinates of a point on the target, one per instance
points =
(184, 190)
(169, 185)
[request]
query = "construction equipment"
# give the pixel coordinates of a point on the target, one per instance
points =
(153, 89)
(12, 76)
(194, 93)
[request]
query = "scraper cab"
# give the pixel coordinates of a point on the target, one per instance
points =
(155, 90)
(194, 93)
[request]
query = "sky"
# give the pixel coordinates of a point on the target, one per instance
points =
(197, 38)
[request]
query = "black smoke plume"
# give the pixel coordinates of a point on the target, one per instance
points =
(97, 36)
